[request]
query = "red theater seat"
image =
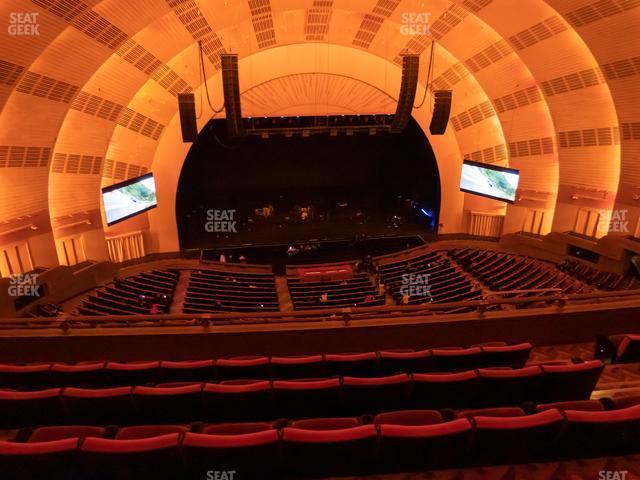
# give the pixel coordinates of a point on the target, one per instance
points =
(237, 400)
(134, 373)
(236, 428)
(155, 457)
(98, 406)
(582, 405)
(307, 397)
(602, 433)
(352, 364)
(148, 431)
(408, 447)
(625, 401)
(571, 381)
(491, 412)
(326, 452)
(187, 371)
(500, 387)
(445, 390)
(514, 356)
(629, 349)
(376, 394)
(51, 434)
(38, 407)
(52, 460)
(168, 404)
(409, 417)
(250, 454)
(408, 362)
(335, 423)
(453, 359)
(249, 367)
(24, 376)
(81, 375)
(516, 439)
(297, 367)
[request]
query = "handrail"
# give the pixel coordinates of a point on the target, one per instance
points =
(340, 314)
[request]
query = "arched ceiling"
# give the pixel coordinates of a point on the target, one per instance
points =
(547, 86)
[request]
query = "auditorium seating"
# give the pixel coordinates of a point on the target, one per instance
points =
(259, 400)
(394, 441)
(607, 281)
(428, 277)
(358, 291)
(365, 364)
(502, 271)
(211, 291)
(134, 295)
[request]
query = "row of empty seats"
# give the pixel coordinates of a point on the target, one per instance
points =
(211, 291)
(141, 294)
(426, 278)
(392, 441)
(601, 280)
(358, 291)
(502, 271)
(365, 364)
(264, 400)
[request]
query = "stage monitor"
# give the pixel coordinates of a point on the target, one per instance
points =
(489, 181)
(127, 199)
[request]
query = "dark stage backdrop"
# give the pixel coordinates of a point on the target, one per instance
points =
(354, 184)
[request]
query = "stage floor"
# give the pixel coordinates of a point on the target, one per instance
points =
(317, 251)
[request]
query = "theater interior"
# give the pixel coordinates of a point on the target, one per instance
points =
(296, 239)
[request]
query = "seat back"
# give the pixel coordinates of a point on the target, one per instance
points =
(441, 390)
(26, 376)
(81, 375)
(187, 371)
(602, 433)
(168, 404)
(629, 349)
(570, 382)
(516, 439)
(352, 364)
(514, 356)
(250, 454)
(408, 447)
(455, 359)
(250, 367)
(326, 452)
(500, 387)
(309, 366)
(38, 407)
(376, 394)
(134, 373)
(307, 397)
(235, 401)
(392, 362)
(107, 406)
(55, 459)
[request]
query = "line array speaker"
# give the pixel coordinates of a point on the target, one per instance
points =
(188, 124)
(408, 87)
(231, 88)
(441, 111)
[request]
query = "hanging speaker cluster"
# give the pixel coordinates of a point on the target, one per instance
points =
(408, 87)
(188, 124)
(441, 111)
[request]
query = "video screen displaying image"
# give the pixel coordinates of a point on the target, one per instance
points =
(126, 199)
(489, 181)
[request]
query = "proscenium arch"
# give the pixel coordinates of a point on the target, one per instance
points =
(382, 75)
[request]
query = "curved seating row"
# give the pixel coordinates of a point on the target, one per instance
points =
(133, 295)
(261, 399)
(223, 291)
(393, 441)
(305, 366)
